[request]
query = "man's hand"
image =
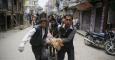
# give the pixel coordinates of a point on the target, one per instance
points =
(21, 47)
(60, 41)
(56, 43)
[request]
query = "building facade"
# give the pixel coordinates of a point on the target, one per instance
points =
(51, 7)
(11, 13)
(32, 6)
(95, 15)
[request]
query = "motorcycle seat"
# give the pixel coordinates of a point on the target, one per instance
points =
(99, 34)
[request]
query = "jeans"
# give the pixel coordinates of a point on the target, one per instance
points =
(39, 53)
(70, 52)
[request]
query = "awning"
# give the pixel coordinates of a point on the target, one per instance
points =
(84, 6)
(73, 5)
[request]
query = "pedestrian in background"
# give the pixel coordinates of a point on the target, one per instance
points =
(30, 18)
(37, 18)
(53, 26)
(33, 20)
(59, 19)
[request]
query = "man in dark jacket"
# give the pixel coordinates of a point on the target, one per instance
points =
(66, 33)
(53, 26)
(37, 18)
(37, 37)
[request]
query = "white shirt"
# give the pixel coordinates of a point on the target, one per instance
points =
(28, 36)
(43, 32)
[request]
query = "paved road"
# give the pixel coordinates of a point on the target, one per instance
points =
(84, 52)
(9, 43)
(10, 40)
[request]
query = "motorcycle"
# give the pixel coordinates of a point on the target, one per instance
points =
(97, 39)
(77, 26)
(110, 45)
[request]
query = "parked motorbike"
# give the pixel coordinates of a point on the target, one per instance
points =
(102, 40)
(77, 26)
(97, 39)
(110, 45)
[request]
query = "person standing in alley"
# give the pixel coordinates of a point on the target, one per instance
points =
(33, 20)
(66, 33)
(29, 18)
(53, 26)
(37, 37)
(37, 18)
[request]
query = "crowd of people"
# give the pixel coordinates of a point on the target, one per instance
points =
(50, 30)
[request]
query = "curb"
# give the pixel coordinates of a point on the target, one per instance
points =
(81, 34)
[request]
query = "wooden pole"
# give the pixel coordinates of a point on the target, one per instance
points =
(12, 14)
(6, 21)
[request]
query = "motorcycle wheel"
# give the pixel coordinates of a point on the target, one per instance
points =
(110, 48)
(87, 42)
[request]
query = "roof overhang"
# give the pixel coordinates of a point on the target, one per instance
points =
(84, 6)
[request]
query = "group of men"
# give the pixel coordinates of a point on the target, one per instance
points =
(40, 37)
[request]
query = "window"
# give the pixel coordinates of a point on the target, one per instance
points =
(34, 3)
(15, 2)
(5, 4)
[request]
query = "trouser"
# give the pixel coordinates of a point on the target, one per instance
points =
(38, 53)
(30, 21)
(52, 51)
(70, 52)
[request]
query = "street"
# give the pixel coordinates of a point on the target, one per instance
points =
(10, 40)
(84, 52)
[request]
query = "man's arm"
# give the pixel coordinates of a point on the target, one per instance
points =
(27, 37)
(49, 37)
(70, 37)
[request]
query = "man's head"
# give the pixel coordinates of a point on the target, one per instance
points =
(68, 20)
(43, 23)
(51, 17)
(43, 15)
(33, 17)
